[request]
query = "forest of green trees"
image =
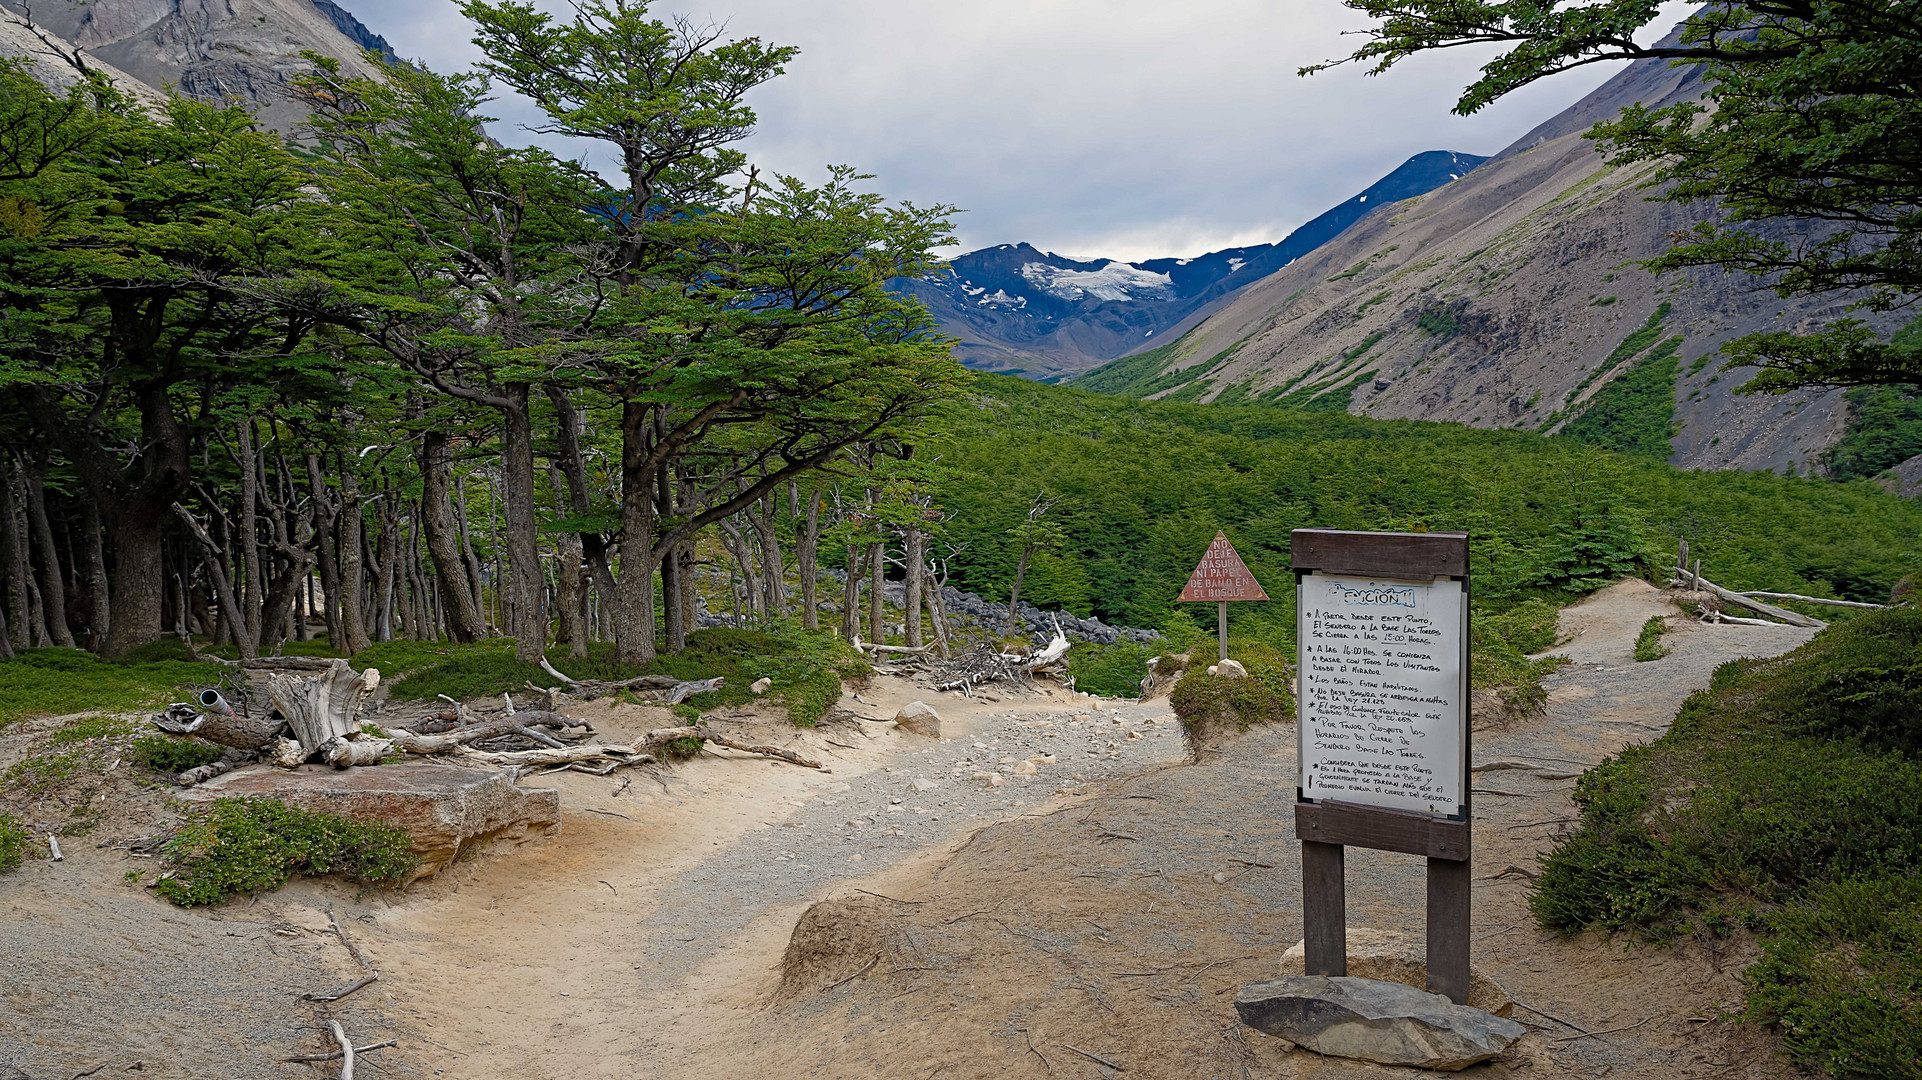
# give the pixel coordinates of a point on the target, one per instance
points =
(394, 380)
(400, 379)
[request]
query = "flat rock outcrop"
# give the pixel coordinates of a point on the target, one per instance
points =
(1371, 1020)
(447, 810)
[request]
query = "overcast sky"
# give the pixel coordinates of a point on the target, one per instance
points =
(1122, 128)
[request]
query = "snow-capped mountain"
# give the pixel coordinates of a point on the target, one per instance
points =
(1049, 316)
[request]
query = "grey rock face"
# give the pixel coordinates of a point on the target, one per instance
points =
(1383, 1022)
(240, 51)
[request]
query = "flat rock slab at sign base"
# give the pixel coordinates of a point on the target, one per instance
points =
(1395, 957)
(446, 809)
(1371, 1020)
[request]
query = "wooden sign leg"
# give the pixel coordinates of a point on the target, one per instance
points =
(1448, 902)
(1223, 619)
(1324, 909)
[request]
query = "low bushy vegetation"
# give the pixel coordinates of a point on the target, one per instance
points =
(13, 842)
(1500, 644)
(256, 845)
(172, 753)
(1648, 643)
(1110, 670)
(1213, 705)
(1787, 797)
(805, 668)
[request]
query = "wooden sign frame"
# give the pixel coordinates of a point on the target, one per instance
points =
(1326, 827)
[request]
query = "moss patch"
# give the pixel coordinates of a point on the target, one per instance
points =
(256, 845)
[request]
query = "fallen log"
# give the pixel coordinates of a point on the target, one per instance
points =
(231, 728)
(342, 752)
(642, 752)
(1812, 599)
(1732, 597)
(665, 689)
(521, 723)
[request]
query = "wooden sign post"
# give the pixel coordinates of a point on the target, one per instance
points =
(1381, 622)
(1222, 577)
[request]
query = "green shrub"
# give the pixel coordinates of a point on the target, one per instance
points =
(1499, 647)
(256, 845)
(173, 753)
(1110, 670)
(1840, 978)
(1771, 803)
(13, 842)
(1213, 705)
(1648, 643)
(805, 667)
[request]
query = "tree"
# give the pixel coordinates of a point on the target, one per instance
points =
(458, 251)
(1807, 148)
(753, 338)
(124, 271)
(1036, 534)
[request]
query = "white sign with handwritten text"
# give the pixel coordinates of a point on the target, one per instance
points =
(1382, 695)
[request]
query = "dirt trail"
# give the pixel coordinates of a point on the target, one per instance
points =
(1112, 903)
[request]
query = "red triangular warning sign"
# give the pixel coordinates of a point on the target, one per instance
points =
(1222, 576)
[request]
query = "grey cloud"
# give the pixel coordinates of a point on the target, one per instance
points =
(1125, 128)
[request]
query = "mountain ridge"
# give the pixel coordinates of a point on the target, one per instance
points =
(1019, 310)
(1512, 299)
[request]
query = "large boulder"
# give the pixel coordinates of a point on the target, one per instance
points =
(1395, 957)
(920, 718)
(445, 809)
(1371, 1020)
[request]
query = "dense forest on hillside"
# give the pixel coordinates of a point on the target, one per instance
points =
(1143, 486)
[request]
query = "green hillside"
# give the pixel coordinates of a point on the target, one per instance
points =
(1144, 486)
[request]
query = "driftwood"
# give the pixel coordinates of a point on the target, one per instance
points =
(290, 663)
(200, 774)
(336, 1055)
(521, 723)
(319, 707)
(342, 752)
(371, 977)
(346, 1050)
(645, 751)
(663, 689)
(229, 728)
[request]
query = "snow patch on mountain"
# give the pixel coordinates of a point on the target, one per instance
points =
(1115, 281)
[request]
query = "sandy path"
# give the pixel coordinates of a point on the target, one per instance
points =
(571, 957)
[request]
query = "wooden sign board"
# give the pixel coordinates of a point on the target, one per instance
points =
(1383, 701)
(1222, 576)
(1382, 631)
